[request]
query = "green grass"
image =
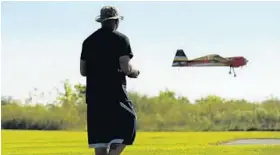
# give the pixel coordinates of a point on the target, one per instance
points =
(147, 143)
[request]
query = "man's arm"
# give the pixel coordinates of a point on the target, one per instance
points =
(125, 57)
(127, 68)
(83, 62)
(83, 70)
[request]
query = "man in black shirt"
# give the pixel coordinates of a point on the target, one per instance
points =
(105, 57)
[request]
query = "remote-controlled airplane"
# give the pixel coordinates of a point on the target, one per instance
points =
(212, 60)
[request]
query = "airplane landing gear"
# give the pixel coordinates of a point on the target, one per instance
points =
(231, 68)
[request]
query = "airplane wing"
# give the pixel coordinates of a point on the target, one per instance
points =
(212, 58)
(205, 58)
(217, 58)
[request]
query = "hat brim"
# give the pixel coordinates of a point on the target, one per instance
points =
(99, 19)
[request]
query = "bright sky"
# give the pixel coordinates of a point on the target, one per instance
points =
(41, 45)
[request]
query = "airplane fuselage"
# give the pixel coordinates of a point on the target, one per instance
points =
(212, 60)
(229, 61)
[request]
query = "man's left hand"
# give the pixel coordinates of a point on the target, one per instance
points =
(134, 74)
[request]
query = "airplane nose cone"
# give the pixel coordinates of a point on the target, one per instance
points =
(246, 61)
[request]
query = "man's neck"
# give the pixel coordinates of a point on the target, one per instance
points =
(107, 28)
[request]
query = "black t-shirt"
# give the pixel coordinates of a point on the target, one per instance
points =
(105, 82)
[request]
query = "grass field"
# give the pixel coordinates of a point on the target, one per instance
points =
(147, 143)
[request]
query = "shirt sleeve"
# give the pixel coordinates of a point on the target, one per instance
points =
(125, 48)
(84, 53)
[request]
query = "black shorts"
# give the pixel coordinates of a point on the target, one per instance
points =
(110, 124)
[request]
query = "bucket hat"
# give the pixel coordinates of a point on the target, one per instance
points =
(107, 13)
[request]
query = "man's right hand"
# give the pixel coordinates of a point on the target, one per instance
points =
(134, 74)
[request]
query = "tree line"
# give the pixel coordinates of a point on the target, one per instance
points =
(164, 112)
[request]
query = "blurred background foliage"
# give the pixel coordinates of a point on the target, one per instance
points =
(164, 112)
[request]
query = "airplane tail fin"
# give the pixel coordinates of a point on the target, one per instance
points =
(180, 57)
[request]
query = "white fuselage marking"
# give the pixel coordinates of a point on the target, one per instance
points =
(206, 64)
(198, 64)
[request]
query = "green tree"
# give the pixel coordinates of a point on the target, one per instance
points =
(164, 112)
